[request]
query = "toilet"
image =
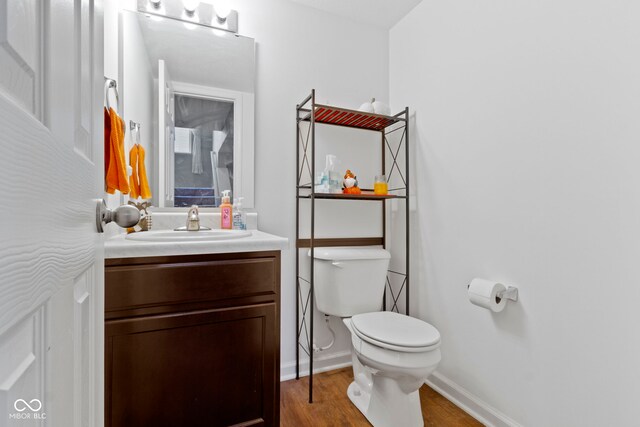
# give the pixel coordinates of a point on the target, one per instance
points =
(392, 353)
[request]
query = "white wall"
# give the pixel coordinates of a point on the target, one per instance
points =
(526, 148)
(136, 97)
(111, 65)
(137, 91)
(300, 48)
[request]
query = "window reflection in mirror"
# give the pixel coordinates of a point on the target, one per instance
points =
(192, 90)
(203, 147)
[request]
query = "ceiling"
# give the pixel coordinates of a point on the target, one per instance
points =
(382, 13)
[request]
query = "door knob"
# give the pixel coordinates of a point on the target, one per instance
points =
(125, 216)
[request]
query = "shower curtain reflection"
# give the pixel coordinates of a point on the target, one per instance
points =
(204, 162)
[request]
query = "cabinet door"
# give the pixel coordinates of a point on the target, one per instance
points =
(203, 368)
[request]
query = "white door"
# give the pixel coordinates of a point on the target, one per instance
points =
(51, 257)
(166, 135)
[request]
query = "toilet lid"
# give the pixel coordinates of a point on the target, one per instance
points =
(395, 329)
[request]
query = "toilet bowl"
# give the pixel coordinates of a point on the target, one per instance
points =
(392, 356)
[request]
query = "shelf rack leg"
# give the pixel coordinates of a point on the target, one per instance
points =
(383, 134)
(312, 123)
(297, 237)
(407, 216)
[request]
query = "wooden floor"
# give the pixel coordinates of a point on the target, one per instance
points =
(332, 407)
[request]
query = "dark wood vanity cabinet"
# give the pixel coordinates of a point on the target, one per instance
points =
(193, 340)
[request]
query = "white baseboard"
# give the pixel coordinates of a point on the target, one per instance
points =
(472, 405)
(321, 363)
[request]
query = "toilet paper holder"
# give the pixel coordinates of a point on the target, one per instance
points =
(511, 293)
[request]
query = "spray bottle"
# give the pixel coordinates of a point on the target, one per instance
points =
(226, 211)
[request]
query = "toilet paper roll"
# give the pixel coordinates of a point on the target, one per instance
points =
(484, 293)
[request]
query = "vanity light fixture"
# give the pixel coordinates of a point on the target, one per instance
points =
(222, 10)
(190, 6)
(194, 13)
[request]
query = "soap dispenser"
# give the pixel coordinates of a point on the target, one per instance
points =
(239, 215)
(226, 211)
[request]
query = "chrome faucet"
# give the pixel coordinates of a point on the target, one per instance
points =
(193, 219)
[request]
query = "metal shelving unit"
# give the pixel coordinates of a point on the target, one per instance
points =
(309, 114)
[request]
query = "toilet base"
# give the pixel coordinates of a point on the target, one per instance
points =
(359, 397)
(386, 405)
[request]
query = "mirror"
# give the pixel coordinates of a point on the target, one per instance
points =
(191, 90)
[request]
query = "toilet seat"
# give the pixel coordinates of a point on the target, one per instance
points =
(396, 332)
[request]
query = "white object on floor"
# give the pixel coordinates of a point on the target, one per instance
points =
(392, 354)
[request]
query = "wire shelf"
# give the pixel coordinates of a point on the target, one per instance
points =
(351, 118)
(366, 195)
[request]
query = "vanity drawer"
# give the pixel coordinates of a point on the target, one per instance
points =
(168, 281)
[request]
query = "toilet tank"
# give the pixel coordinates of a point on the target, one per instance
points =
(349, 281)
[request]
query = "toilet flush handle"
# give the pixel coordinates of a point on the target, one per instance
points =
(337, 264)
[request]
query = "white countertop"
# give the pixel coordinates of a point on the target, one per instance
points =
(119, 247)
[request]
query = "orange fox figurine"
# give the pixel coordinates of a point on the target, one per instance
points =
(350, 184)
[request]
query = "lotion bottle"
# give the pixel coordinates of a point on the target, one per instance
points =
(226, 211)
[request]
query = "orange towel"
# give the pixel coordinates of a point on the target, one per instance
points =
(107, 141)
(138, 180)
(117, 169)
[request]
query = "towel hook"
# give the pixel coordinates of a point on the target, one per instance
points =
(110, 84)
(135, 129)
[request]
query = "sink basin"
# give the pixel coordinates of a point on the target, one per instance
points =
(188, 236)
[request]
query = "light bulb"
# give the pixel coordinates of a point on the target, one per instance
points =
(190, 5)
(222, 9)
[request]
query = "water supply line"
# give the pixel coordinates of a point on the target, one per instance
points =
(317, 349)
